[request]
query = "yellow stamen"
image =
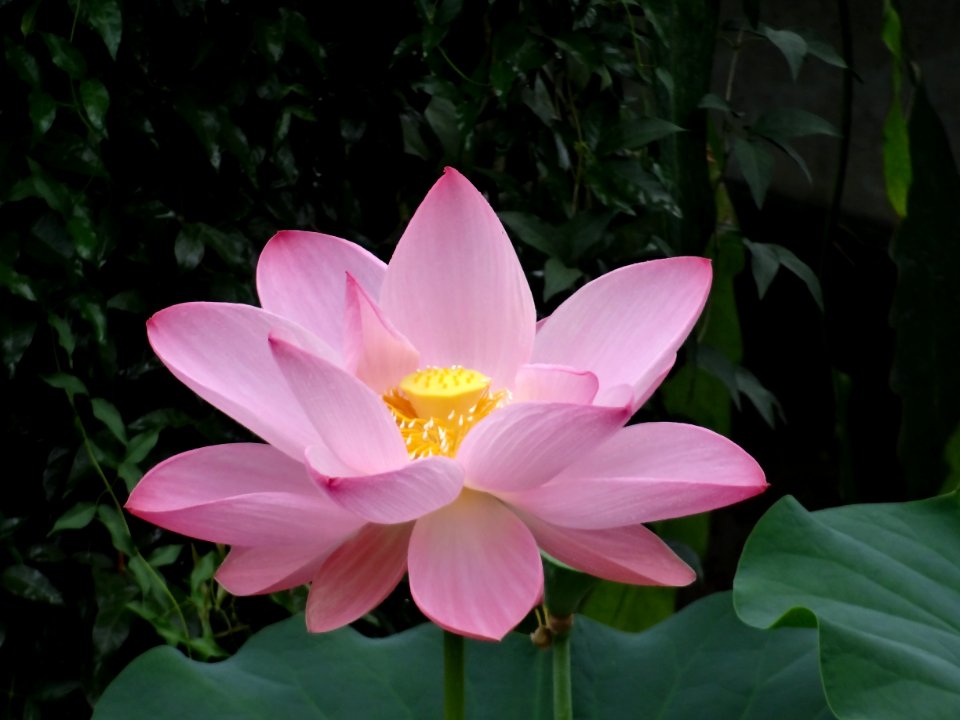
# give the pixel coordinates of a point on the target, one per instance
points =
(436, 407)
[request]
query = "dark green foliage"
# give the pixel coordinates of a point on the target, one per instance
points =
(701, 663)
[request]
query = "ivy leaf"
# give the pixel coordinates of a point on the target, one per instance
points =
(188, 248)
(31, 584)
(76, 518)
(107, 413)
(104, 16)
(65, 56)
(43, 111)
(64, 381)
(96, 102)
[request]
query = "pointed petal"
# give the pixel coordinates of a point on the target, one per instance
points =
(455, 288)
(397, 496)
(373, 349)
(646, 473)
(352, 421)
(625, 325)
(271, 568)
(555, 383)
(302, 276)
(523, 446)
(358, 576)
(241, 494)
(220, 351)
(632, 555)
(474, 567)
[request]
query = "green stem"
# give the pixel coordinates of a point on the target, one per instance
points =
(453, 685)
(562, 691)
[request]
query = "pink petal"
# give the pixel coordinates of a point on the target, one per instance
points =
(645, 473)
(523, 446)
(351, 419)
(632, 555)
(220, 351)
(555, 383)
(302, 276)
(474, 567)
(397, 496)
(357, 577)
(373, 349)
(242, 494)
(271, 568)
(625, 325)
(455, 288)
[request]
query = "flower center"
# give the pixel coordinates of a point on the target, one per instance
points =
(436, 407)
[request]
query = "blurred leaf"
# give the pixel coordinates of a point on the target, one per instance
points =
(532, 231)
(825, 52)
(188, 248)
(104, 16)
(781, 124)
(629, 607)
(65, 56)
(271, 40)
(715, 102)
(897, 171)
(85, 238)
(30, 584)
(413, 143)
(441, 115)
(924, 316)
(23, 63)
(632, 134)
(43, 111)
(540, 101)
(112, 625)
(793, 47)
(141, 445)
(564, 588)
(64, 334)
(762, 399)
(93, 313)
(96, 102)
(119, 534)
(28, 18)
(796, 157)
(881, 584)
(726, 669)
(65, 381)
(558, 278)
(16, 335)
(16, 283)
(76, 518)
(768, 258)
(756, 164)
(164, 555)
(107, 413)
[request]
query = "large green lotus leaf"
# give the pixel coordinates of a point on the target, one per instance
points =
(701, 663)
(882, 583)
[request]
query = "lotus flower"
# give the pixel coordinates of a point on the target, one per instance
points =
(418, 420)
